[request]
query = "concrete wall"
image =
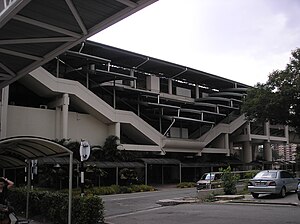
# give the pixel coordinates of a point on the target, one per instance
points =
(30, 121)
(41, 123)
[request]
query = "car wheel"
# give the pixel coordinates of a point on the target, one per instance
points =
(282, 192)
(255, 195)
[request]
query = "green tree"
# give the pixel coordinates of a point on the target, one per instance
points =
(110, 151)
(278, 100)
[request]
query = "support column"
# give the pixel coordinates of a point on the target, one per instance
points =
(267, 151)
(170, 85)
(146, 173)
(179, 172)
(57, 122)
(267, 130)
(4, 107)
(65, 111)
(197, 96)
(247, 152)
(226, 144)
(254, 151)
(118, 130)
(117, 175)
(286, 134)
(132, 83)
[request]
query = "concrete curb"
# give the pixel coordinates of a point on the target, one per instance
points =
(263, 203)
(177, 201)
(237, 199)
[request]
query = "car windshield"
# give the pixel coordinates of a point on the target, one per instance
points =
(208, 176)
(266, 175)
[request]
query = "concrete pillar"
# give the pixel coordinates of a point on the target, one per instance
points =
(197, 92)
(118, 129)
(170, 85)
(248, 130)
(132, 83)
(226, 144)
(267, 151)
(254, 151)
(4, 107)
(57, 122)
(247, 152)
(267, 130)
(65, 112)
(153, 83)
(286, 134)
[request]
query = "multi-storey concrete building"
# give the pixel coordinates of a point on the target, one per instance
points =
(56, 85)
(179, 116)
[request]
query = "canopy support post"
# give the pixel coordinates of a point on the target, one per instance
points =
(28, 188)
(70, 187)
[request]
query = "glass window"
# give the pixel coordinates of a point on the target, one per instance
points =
(266, 175)
(285, 174)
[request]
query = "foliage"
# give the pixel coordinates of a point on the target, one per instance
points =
(185, 185)
(71, 145)
(110, 151)
(250, 174)
(277, 100)
(116, 189)
(128, 176)
(210, 197)
(113, 189)
(229, 181)
(54, 206)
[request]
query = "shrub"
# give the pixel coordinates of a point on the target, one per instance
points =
(116, 189)
(229, 181)
(53, 206)
(185, 185)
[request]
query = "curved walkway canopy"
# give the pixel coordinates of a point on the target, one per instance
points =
(15, 151)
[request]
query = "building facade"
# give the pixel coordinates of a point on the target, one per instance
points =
(157, 108)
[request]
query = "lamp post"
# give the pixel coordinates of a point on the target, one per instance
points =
(84, 155)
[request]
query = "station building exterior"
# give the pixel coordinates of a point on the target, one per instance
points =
(182, 121)
(55, 85)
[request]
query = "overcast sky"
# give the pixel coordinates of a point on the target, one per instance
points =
(242, 40)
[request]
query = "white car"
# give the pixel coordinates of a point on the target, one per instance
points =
(272, 182)
(209, 180)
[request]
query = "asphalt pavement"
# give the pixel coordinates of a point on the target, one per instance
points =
(291, 199)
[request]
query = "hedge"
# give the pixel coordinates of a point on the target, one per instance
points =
(53, 206)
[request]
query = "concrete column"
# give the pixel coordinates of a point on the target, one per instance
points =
(118, 130)
(248, 130)
(226, 144)
(65, 112)
(170, 85)
(197, 92)
(254, 151)
(247, 152)
(4, 107)
(57, 122)
(286, 134)
(267, 130)
(267, 151)
(132, 83)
